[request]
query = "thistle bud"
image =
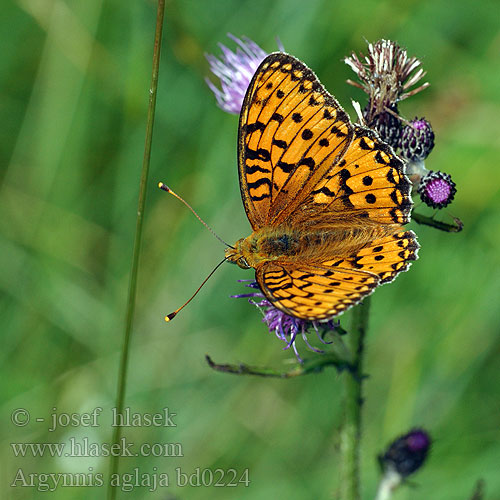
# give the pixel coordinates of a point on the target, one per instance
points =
(388, 126)
(407, 453)
(417, 140)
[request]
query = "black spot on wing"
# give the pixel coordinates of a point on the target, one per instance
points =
(379, 159)
(286, 167)
(280, 144)
(395, 162)
(259, 154)
(307, 134)
(327, 115)
(252, 169)
(308, 162)
(252, 127)
(261, 197)
(344, 174)
(313, 102)
(277, 117)
(364, 145)
(259, 182)
(324, 190)
(390, 176)
(336, 131)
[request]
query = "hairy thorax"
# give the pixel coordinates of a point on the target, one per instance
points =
(308, 245)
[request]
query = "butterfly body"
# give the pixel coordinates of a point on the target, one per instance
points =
(326, 199)
(303, 244)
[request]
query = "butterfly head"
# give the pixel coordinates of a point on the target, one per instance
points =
(236, 254)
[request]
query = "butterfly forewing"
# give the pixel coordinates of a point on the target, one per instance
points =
(291, 132)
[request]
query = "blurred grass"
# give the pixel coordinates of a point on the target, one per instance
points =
(74, 79)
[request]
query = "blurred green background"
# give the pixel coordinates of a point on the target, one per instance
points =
(74, 79)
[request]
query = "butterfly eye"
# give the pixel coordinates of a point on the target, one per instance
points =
(242, 262)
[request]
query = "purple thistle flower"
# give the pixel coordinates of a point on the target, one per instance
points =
(284, 326)
(235, 70)
(436, 189)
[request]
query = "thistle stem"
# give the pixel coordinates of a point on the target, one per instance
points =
(456, 227)
(388, 484)
(129, 316)
(315, 364)
(353, 400)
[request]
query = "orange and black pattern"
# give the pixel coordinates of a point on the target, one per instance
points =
(291, 132)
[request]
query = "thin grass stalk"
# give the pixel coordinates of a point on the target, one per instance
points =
(129, 316)
(350, 438)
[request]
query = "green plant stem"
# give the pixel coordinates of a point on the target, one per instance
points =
(456, 227)
(311, 365)
(353, 401)
(337, 355)
(129, 317)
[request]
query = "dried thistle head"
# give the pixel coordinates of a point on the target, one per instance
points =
(386, 75)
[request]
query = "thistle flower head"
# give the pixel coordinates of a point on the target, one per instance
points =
(417, 140)
(234, 70)
(407, 453)
(284, 326)
(436, 189)
(386, 75)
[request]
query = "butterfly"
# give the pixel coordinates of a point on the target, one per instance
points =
(326, 199)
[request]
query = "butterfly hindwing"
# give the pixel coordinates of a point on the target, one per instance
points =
(327, 288)
(313, 292)
(388, 256)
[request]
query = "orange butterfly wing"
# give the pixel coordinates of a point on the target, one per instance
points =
(368, 181)
(291, 131)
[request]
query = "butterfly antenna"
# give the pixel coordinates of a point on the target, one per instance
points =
(165, 188)
(172, 315)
